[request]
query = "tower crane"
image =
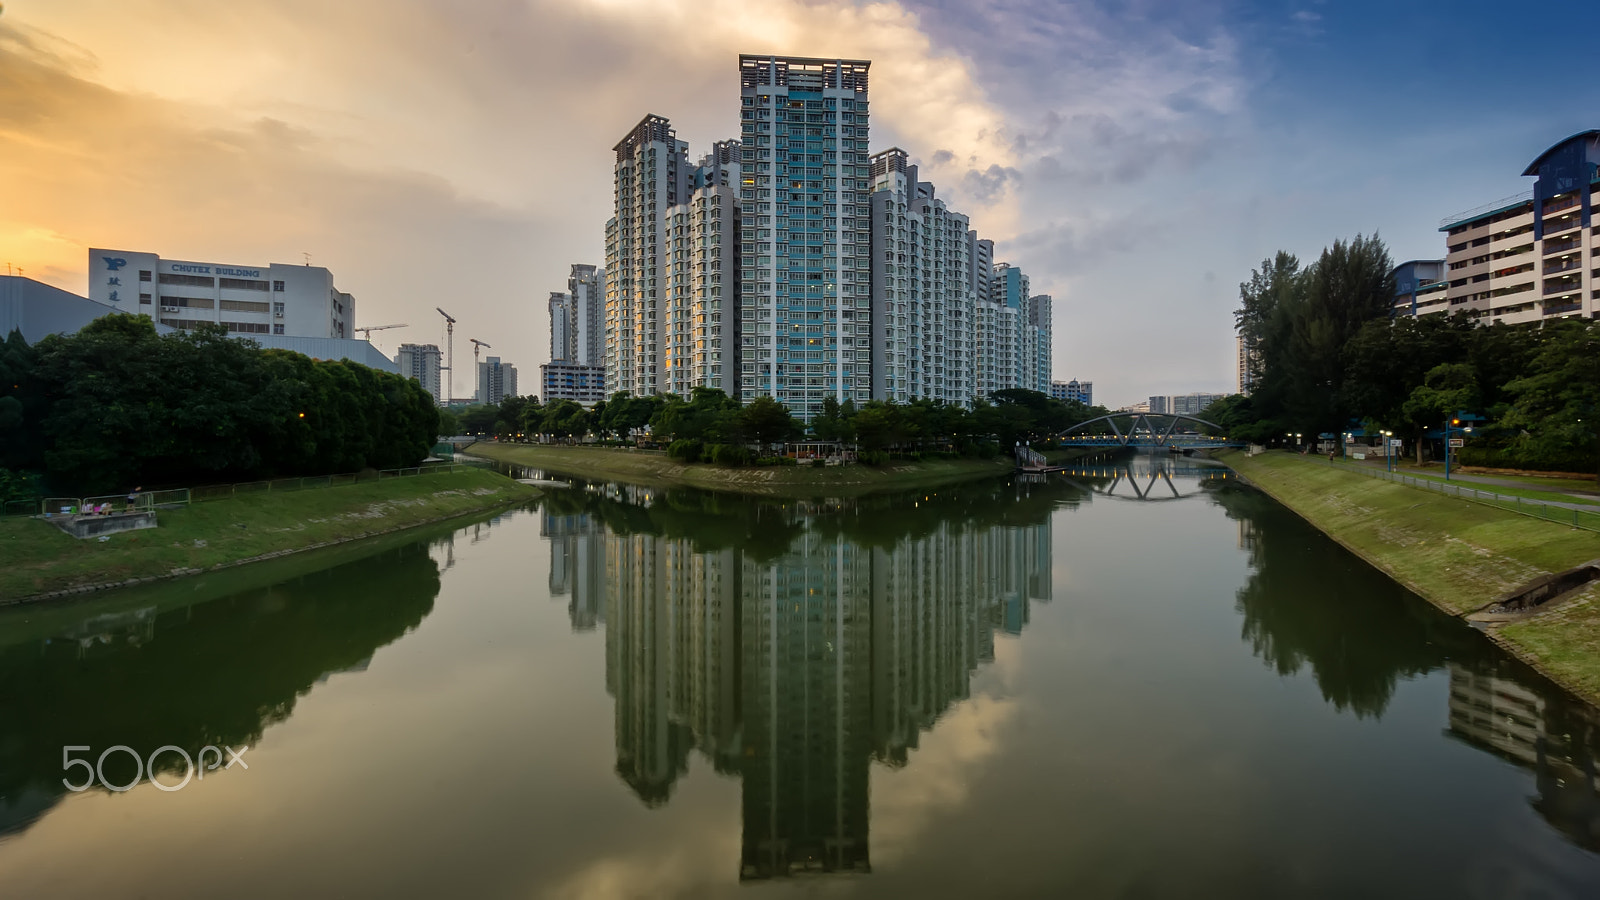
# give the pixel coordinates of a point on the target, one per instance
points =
(450, 353)
(369, 329)
(476, 345)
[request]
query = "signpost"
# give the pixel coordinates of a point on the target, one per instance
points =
(1458, 442)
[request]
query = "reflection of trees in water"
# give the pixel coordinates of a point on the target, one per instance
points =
(1310, 602)
(214, 673)
(793, 642)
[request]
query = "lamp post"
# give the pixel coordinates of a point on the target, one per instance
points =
(1452, 424)
(1388, 451)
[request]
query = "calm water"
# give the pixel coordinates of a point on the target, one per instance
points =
(1145, 683)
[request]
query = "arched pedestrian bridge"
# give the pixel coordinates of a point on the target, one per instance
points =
(1143, 430)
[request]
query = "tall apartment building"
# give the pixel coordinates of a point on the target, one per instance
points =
(1248, 358)
(496, 381)
(1012, 334)
(922, 289)
(650, 178)
(702, 279)
(804, 231)
(421, 361)
(1530, 257)
(671, 265)
(277, 299)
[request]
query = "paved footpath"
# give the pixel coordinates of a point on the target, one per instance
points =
(1491, 481)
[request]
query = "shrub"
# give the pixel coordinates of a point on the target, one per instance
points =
(818, 463)
(729, 454)
(874, 458)
(686, 450)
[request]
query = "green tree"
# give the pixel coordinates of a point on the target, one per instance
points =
(768, 421)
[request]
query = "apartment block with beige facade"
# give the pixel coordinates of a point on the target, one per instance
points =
(1530, 257)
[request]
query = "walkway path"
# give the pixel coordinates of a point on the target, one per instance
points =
(1580, 501)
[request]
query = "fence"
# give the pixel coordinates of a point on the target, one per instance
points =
(1538, 509)
(148, 500)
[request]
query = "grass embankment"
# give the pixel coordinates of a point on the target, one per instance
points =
(1559, 490)
(1457, 554)
(41, 559)
(782, 481)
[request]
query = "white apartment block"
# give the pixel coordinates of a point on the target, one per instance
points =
(277, 299)
(805, 289)
(701, 328)
(1074, 390)
(922, 289)
(1012, 337)
(1530, 257)
(421, 361)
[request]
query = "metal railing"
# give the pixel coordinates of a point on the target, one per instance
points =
(1538, 509)
(150, 500)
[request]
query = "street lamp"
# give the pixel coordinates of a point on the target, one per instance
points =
(1388, 451)
(1454, 423)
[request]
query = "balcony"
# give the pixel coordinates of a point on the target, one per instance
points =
(1558, 308)
(1562, 247)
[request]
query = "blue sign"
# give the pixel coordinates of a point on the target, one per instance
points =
(114, 262)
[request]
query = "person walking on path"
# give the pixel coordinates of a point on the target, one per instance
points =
(133, 497)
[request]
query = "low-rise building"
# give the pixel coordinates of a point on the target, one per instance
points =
(1529, 257)
(1074, 390)
(276, 299)
(560, 380)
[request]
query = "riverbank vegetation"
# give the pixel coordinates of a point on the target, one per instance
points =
(1457, 554)
(41, 558)
(1328, 358)
(658, 469)
(117, 404)
(710, 426)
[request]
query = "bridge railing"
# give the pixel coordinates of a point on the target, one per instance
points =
(1538, 509)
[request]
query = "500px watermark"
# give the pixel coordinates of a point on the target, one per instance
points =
(142, 766)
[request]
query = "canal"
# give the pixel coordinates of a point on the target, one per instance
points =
(1133, 680)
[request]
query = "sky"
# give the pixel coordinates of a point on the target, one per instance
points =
(1136, 159)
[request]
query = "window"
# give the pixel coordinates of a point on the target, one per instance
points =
(144, 274)
(277, 329)
(277, 286)
(191, 280)
(243, 284)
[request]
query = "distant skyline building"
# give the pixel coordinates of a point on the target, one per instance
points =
(276, 299)
(804, 231)
(576, 370)
(496, 381)
(422, 362)
(650, 178)
(1182, 404)
(1075, 390)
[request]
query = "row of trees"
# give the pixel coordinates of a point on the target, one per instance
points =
(711, 418)
(1330, 357)
(117, 404)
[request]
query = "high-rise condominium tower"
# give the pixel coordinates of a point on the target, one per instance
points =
(922, 289)
(650, 179)
(671, 266)
(805, 289)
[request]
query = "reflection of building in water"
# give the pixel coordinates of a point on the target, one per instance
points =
(796, 670)
(1554, 737)
(577, 565)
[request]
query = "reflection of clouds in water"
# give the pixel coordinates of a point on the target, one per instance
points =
(683, 864)
(939, 778)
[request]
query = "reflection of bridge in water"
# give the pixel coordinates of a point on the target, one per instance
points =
(1145, 477)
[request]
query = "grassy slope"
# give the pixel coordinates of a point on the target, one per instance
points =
(1457, 554)
(785, 481)
(41, 558)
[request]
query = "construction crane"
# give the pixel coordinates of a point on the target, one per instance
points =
(476, 345)
(450, 353)
(369, 329)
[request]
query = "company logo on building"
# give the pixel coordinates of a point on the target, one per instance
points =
(114, 262)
